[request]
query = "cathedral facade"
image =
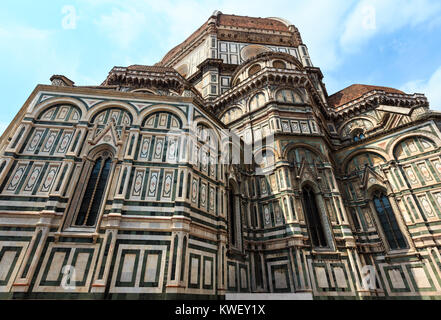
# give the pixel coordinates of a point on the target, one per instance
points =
(224, 169)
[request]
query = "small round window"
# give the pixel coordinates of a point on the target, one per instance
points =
(279, 65)
(254, 69)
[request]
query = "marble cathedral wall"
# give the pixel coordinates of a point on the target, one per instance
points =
(175, 220)
(159, 228)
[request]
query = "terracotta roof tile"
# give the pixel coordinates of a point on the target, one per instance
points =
(137, 67)
(229, 21)
(176, 49)
(252, 23)
(354, 92)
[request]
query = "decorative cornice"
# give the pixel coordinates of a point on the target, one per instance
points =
(268, 76)
(371, 99)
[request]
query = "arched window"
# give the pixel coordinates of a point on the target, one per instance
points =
(279, 64)
(232, 207)
(358, 135)
(313, 219)
(388, 222)
(188, 186)
(258, 270)
(254, 69)
(257, 101)
(288, 96)
(231, 115)
(355, 127)
(94, 194)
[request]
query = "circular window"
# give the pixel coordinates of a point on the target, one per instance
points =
(252, 50)
(254, 69)
(279, 65)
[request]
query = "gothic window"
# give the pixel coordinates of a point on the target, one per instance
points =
(388, 222)
(234, 218)
(354, 219)
(232, 209)
(94, 193)
(358, 135)
(313, 219)
(188, 186)
(181, 181)
(258, 270)
(288, 96)
(257, 101)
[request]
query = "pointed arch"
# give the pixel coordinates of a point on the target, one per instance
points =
(234, 215)
(390, 227)
(94, 190)
(314, 216)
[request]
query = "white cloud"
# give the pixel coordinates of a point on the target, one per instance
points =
(123, 26)
(23, 33)
(372, 17)
(430, 87)
(319, 21)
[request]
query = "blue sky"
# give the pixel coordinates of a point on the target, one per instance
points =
(394, 43)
